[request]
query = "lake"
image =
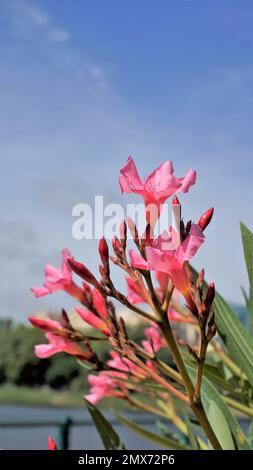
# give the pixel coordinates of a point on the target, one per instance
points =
(81, 437)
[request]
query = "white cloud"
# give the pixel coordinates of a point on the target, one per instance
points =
(38, 17)
(26, 19)
(58, 35)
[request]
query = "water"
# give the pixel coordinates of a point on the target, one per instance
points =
(81, 437)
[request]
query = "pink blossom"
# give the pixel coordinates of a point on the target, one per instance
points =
(165, 256)
(177, 317)
(134, 292)
(93, 320)
(58, 344)
(157, 187)
(124, 365)
(47, 324)
(155, 341)
(102, 386)
(100, 304)
(59, 279)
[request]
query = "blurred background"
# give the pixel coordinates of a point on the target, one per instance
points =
(84, 84)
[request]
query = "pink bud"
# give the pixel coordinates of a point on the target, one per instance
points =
(51, 445)
(210, 295)
(133, 229)
(116, 246)
(82, 271)
(47, 324)
(205, 219)
(175, 201)
(123, 233)
(92, 319)
(103, 251)
(147, 237)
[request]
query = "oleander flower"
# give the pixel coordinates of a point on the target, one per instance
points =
(156, 188)
(164, 257)
(59, 279)
(58, 344)
(154, 341)
(103, 386)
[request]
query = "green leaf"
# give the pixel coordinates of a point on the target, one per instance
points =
(237, 339)
(191, 434)
(209, 394)
(109, 437)
(164, 442)
(219, 424)
(235, 336)
(247, 242)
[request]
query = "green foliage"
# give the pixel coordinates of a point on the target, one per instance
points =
(247, 241)
(164, 442)
(109, 437)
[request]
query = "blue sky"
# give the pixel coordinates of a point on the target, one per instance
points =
(83, 84)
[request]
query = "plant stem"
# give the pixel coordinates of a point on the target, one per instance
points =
(200, 365)
(196, 406)
(238, 406)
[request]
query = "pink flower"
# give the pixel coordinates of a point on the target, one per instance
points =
(47, 324)
(100, 304)
(134, 292)
(163, 256)
(176, 317)
(154, 339)
(156, 188)
(124, 365)
(93, 320)
(58, 344)
(102, 386)
(59, 279)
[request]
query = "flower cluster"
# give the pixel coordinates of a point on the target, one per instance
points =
(160, 289)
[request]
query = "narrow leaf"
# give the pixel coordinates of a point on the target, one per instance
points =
(164, 442)
(109, 437)
(209, 394)
(220, 426)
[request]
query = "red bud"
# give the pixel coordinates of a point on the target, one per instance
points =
(147, 237)
(82, 271)
(51, 444)
(175, 201)
(205, 219)
(103, 251)
(210, 295)
(116, 246)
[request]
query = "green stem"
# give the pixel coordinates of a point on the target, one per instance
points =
(238, 406)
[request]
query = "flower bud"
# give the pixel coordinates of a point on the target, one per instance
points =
(175, 201)
(123, 234)
(81, 270)
(205, 219)
(147, 237)
(200, 279)
(103, 251)
(51, 445)
(117, 248)
(176, 214)
(133, 230)
(210, 295)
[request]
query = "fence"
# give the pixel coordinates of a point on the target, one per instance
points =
(64, 426)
